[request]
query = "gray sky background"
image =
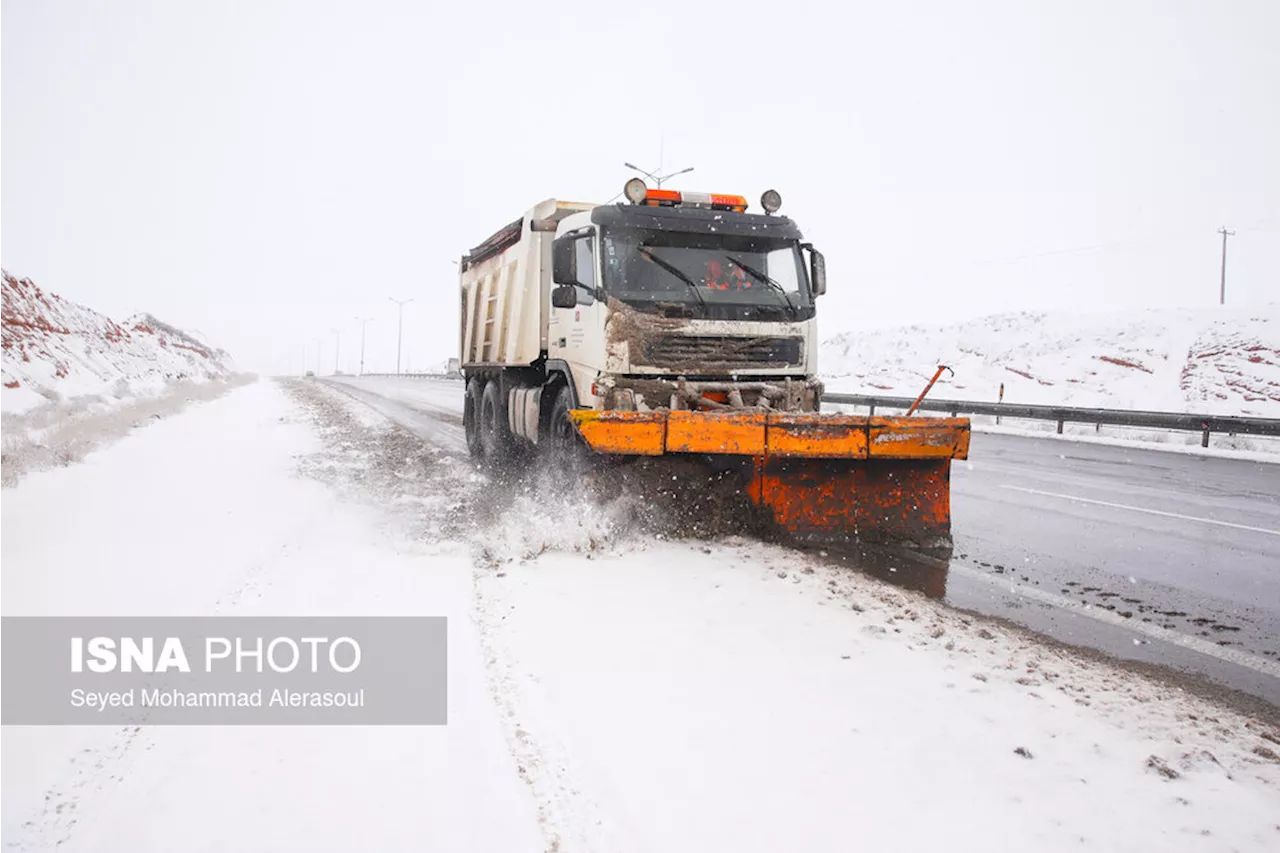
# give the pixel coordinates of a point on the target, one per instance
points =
(266, 171)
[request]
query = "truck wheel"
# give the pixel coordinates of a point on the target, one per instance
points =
(562, 437)
(495, 435)
(471, 417)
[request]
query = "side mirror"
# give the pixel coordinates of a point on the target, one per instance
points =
(564, 264)
(564, 296)
(817, 272)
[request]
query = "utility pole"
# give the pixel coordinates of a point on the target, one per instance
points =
(1222, 287)
(400, 329)
(363, 321)
(337, 347)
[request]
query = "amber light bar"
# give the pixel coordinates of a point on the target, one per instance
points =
(715, 201)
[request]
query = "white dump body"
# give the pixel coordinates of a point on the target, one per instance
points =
(506, 290)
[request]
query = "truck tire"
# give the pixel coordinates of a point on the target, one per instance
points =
(471, 416)
(562, 436)
(496, 443)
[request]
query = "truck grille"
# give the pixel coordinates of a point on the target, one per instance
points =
(720, 351)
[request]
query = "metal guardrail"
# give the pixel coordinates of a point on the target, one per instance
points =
(1204, 424)
(391, 375)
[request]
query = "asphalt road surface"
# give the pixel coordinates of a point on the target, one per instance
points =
(1165, 558)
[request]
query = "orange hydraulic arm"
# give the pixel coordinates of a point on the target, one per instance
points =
(941, 367)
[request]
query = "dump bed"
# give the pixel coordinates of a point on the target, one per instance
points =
(506, 289)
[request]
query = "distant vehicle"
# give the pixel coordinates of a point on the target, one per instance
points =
(311, 373)
(681, 324)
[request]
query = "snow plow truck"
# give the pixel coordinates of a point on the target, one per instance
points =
(677, 323)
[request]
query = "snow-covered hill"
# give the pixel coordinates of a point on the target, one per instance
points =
(1215, 361)
(55, 349)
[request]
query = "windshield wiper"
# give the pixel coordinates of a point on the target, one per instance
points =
(759, 276)
(675, 271)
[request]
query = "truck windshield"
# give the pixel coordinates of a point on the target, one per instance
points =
(711, 275)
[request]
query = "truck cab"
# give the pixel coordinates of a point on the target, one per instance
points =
(683, 300)
(669, 301)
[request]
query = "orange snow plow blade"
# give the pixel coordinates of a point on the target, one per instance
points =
(876, 479)
(732, 433)
(639, 433)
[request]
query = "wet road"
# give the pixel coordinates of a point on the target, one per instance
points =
(429, 408)
(1165, 558)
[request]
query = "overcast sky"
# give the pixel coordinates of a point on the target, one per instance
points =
(265, 171)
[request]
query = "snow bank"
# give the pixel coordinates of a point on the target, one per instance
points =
(52, 436)
(1223, 361)
(56, 350)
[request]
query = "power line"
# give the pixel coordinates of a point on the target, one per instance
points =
(1080, 250)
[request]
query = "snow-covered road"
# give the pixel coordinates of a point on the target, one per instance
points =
(205, 514)
(608, 689)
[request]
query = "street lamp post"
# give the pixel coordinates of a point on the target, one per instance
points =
(363, 321)
(656, 178)
(399, 329)
(337, 347)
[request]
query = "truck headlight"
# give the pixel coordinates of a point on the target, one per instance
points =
(635, 190)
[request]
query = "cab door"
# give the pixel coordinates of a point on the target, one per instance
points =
(576, 334)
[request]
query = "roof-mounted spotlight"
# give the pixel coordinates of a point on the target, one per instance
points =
(771, 201)
(635, 191)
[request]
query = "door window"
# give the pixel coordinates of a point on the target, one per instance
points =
(585, 257)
